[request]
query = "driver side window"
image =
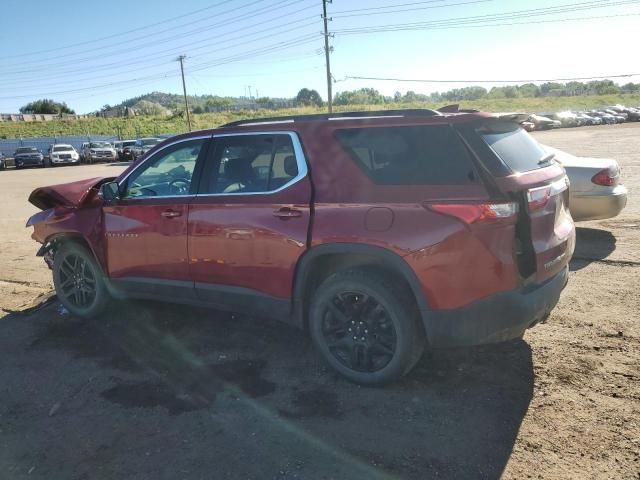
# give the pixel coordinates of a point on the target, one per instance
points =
(167, 173)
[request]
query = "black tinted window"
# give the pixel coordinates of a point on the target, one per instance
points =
(252, 164)
(432, 155)
(517, 149)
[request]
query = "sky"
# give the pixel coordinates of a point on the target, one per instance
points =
(88, 53)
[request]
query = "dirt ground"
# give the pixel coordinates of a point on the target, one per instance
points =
(151, 391)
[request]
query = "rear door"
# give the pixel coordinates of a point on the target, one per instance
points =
(529, 174)
(248, 224)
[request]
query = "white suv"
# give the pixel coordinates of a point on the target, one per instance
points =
(61, 154)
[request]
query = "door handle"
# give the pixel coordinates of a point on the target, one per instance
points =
(287, 212)
(171, 214)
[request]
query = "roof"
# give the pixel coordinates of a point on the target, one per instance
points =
(407, 114)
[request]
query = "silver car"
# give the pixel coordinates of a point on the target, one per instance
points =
(596, 191)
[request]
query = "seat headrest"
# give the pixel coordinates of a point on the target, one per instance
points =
(238, 169)
(291, 166)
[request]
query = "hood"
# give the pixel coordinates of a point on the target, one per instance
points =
(72, 194)
(28, 154)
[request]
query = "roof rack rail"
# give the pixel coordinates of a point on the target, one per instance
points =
(455, 108)
(414, 112)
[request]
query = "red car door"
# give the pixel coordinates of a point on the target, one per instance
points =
(146, 229)
(248, 223)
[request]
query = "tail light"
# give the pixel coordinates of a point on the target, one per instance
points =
(607, 177)
(477, 212)
(538, 197)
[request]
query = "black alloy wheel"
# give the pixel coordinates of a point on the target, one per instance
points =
(366, 326)
(359, 332)
(78, 279)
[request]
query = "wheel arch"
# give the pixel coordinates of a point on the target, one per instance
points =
(321, 261)
(55, 241)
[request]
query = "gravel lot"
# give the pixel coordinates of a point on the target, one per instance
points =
(152, 391)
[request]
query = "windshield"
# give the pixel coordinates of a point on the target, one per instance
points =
(150, 141)
(515, 147)
(128, 143)
(62, 148)
(27, 150)
(99, 145)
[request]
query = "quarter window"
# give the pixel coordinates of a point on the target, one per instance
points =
(252, 164)
(422, 155)
(167, 173)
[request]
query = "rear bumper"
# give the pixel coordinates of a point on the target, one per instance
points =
(497, 318)
(598, 207)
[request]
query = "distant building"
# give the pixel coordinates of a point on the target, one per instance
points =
(38, 117)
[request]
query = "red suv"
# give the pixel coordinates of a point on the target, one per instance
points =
(377, 232)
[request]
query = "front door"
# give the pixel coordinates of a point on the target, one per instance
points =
(146, 229)
(248, 224)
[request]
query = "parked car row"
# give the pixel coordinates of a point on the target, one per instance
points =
(579, 118)
(89, 152)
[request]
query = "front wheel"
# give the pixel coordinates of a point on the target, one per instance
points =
(366, 327)
(79, 281)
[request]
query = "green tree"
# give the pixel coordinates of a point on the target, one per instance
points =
(529, 90)
(145, 107)
(364, 96)
(308, 97)
(46, 106)
(197, 109)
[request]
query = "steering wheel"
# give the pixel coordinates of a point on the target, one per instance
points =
(179, 185)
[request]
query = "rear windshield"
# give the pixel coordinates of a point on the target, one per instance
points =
(515, 147)
(422, 155)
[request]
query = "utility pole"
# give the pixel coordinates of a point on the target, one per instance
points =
(327, 53)
(184, 89)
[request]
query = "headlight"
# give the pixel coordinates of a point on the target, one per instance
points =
(92, 151)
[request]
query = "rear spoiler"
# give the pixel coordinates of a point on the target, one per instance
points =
(512, 116)
(507, 116)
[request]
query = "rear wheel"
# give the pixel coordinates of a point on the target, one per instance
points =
(79, 281)
(366, 327)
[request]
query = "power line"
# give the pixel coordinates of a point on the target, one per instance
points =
(389, 6)
(120, 34)
(304, 39)
(530, 80)
(138, 64)
(365, 13)
(94, 52)
(490, 17)
(487, 25)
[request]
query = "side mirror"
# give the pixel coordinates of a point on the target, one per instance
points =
(110, 191)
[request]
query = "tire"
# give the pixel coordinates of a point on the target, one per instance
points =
(85, 296)
(388, 338)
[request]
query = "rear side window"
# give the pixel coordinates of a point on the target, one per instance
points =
(515, 147)
(431, 155)
(252, 164)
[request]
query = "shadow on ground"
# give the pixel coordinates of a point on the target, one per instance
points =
(202, 392)
(592, 244)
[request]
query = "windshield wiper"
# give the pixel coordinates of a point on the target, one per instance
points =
(546, 158)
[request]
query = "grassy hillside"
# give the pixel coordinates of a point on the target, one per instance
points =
(148, 126)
